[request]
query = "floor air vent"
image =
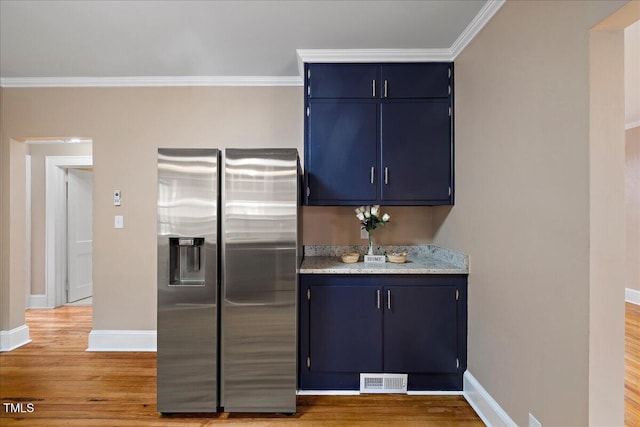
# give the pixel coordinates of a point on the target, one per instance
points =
(383, 383)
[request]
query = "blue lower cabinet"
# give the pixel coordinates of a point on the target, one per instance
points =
(420, 329)
(352, 324)
(337, 311)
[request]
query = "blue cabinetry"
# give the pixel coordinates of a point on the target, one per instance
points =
(343, 81)
(336, 348)
(422, 80)
(352, 324)
(420, 329)
(416, 152)
(379, 133)
(342, 148)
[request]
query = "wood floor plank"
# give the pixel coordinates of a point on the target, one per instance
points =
(632, 366)
(69, 386)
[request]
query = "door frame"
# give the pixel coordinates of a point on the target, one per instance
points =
(56, 224)
(27, 241)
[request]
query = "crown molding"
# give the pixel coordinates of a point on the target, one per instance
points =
(404, 55)
(485, 14)
(150, 81)
(371, 55)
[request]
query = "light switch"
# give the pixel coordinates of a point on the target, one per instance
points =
(117, 197)
(118, 221)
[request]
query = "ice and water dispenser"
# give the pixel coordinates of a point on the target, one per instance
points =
(187, 261)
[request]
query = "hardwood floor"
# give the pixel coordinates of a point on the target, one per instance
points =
(68, 386)
(632, 366)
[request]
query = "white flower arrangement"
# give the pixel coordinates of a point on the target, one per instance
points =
(370, 218)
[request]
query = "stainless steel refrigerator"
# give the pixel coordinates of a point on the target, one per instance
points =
(227, 232)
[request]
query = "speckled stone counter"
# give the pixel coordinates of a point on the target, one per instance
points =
(423, 259)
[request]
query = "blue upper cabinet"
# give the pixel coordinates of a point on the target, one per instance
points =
(416, 152)
(425, 80)
(341, 151)
(379, 133)
(343, 81)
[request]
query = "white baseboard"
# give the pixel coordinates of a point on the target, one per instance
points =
(434, 393)
(16, 337)
(37, 301)
(356, 393)
(632, 125)
(122, 340)
(485, 406)
(632, 296)
(327, 392)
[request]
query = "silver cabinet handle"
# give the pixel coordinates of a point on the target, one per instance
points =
(389, 299)
(378, 292)
(373, 88)
(386, 176)
(385, 88)
(373, 174)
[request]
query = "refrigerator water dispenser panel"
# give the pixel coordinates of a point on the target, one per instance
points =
(186, 261)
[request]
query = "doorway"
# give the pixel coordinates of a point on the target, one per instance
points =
(61, 222)
(607, 216)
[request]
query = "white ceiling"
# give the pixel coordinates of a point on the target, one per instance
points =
(112, 39)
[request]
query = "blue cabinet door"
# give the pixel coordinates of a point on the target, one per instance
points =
(423, 80)
(416, 152)
(342, 81)
(340, 152)
(421, 329)
(345, 329)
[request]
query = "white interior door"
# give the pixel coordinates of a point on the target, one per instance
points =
(80, 240)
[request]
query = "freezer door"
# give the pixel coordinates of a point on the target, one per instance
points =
(259, 238)
(187, 280)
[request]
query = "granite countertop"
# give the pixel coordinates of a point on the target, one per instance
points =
(422, 259)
